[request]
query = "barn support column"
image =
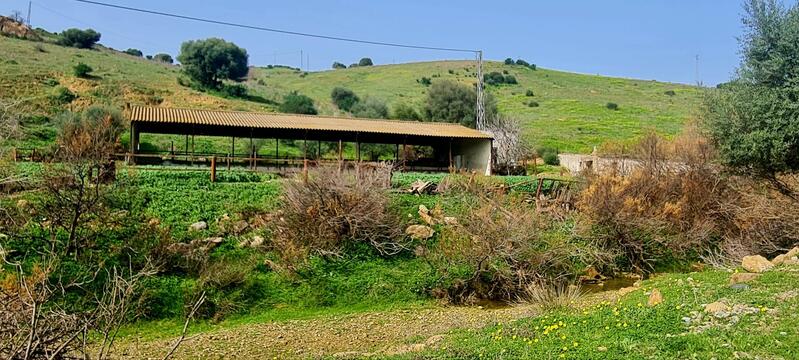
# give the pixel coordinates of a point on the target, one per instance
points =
(134, 142)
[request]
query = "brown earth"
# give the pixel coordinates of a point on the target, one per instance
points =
(11, 27)
(342, 336)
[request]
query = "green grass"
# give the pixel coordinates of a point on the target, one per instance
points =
(571, 115)
(629, 329)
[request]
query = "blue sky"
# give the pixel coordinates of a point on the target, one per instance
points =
(653, 39)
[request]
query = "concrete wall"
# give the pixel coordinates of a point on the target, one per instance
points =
(472, 155)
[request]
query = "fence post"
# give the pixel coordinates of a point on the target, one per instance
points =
(213, 169)
(305, 171)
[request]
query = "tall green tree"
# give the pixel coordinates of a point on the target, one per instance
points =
(448, 101)
(210, 61)
(754, 119)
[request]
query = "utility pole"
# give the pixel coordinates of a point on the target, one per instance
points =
(29, 13)
(301, 57)
(696, 75)
(481, 111)
(307, 61)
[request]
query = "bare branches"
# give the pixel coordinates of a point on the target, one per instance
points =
(507, 133)
(189, 318)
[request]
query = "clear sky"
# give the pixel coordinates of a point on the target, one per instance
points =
(652, 39)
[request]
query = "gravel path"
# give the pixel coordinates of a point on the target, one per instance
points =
(345, 336)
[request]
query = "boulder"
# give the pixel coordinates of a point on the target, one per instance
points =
(756, 264)
(793, 252)
(739, 278)
(198, 226)
(424, 213)
(419, 232)
(240, 226)
(450, 220)
(422, 187)
(655, 297)
(792, 261)
(779, 259)
(716, 307)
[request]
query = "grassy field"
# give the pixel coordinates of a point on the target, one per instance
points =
(571, 116)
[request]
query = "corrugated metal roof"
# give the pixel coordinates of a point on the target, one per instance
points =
(301, 122)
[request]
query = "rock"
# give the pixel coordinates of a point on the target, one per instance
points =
(422, 187)
(626, 290)
(779, 259)
(793, 252)
(738, 278)
(240, 226)
(740, 287)
(449, 220)
(716, 307)
(419, 232)
(655, 297)
(601, 349)
(792, 261)
(697, 267)
(257, 241)
(424, 213)
(756, 264)
(198, 226)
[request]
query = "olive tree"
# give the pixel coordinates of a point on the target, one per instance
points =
(449, 101)
(210, 61)
(753, 120)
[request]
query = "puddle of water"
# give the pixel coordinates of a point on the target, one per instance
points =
(610, 284)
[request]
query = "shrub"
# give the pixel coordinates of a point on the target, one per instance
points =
(353, 65)
(82, 70)
(164, 58)
(529, 93)
(82, 39)
(365, 62)
(499, 247)
(297, 103)
(405, 112)
(426, 81)
(210, 61)
(449, 101)
(510, 79)
(234, 91)
(370, 107)
(334, 209)
(494, 78)
(344, 98)
(338, 65)
(612, 106)
(62, 96)
(670, 92)
(522, 62)
(134, 52)
(549, 155)
(533, 104)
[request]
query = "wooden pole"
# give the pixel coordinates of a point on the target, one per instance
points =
(305, 171)
(357, 148)
(192, 149)
(277, 151)
(213, 169)
(340, 156)
(450, 155)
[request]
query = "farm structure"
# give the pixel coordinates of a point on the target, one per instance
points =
(454, 147)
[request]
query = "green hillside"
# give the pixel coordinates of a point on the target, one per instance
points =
(571, 116)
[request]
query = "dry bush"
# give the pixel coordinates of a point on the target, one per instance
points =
(332, 209)
(661, 206)
(676, 202)
(499, 246)
(549, 296)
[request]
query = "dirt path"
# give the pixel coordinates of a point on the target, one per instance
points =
(345, 336)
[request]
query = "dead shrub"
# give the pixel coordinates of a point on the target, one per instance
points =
(549, 296)
(334, 208)
(499, 246)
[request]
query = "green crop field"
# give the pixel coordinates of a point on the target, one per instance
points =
(571, 114)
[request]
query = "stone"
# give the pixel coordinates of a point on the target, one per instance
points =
(655, 297)
(793, 252)
(450, 220)
(601, 349)
(779, 259)
(419, 232)
(792, 261)
(198, 226)
(716, 307)
(738, 278)
(257, 241)
(424, 213)
(740, 287)
(240, 226)
(756, 264)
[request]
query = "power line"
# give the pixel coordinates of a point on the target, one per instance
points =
(260, 28)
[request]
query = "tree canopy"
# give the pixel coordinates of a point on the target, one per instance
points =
(210, 61)
(754, 119)
(344, 98)
(449, 101)
(297, 103)
(82, 39)
(164, 58)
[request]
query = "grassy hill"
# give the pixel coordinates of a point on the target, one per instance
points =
(571, 116)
